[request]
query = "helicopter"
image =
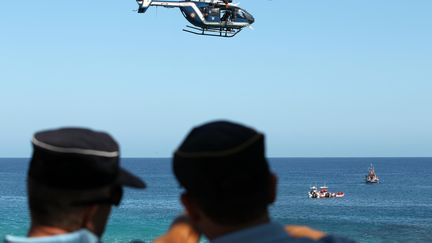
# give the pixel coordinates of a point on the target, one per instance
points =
(208, 17)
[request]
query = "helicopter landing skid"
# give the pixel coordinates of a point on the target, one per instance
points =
(221, 32)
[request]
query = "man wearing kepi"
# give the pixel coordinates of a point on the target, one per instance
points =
(229, 187)
(74, 179)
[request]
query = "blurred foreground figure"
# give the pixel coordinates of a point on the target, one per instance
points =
(74, 178)
(228, 189)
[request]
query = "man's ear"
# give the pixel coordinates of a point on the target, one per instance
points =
(273, 188)
(191, 208)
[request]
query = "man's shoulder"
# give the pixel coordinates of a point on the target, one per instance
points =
(304, 232)
(81, 236)
(275, 232)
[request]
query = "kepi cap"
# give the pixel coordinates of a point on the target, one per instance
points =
(78, 159)
(220, 159)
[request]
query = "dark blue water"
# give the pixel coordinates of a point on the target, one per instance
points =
(399, 209)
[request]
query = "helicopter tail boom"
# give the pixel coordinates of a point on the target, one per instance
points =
(143, 5)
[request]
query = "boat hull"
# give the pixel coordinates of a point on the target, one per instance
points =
(372, 182)
(319, 195)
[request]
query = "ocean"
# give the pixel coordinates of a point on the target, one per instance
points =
(398, 209)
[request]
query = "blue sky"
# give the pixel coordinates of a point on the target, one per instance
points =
(319, 78)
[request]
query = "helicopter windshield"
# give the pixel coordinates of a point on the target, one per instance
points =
(241, 14)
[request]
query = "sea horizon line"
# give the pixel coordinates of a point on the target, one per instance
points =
(272, 157)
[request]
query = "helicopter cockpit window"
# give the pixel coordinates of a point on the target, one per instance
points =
(241, 14)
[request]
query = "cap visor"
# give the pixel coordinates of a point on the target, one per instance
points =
(128, 179)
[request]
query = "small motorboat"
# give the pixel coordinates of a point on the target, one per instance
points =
(313, 193)
(371, 177)
(323, 193)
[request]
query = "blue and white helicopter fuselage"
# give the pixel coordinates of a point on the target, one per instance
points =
(209, 17)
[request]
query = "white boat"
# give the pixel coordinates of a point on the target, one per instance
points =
(324, 193)
(313, 193)
(371, 177)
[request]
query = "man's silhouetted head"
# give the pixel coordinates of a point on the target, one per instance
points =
(223, 169)
(73, 180)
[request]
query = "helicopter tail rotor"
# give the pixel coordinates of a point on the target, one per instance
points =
(143, 5)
